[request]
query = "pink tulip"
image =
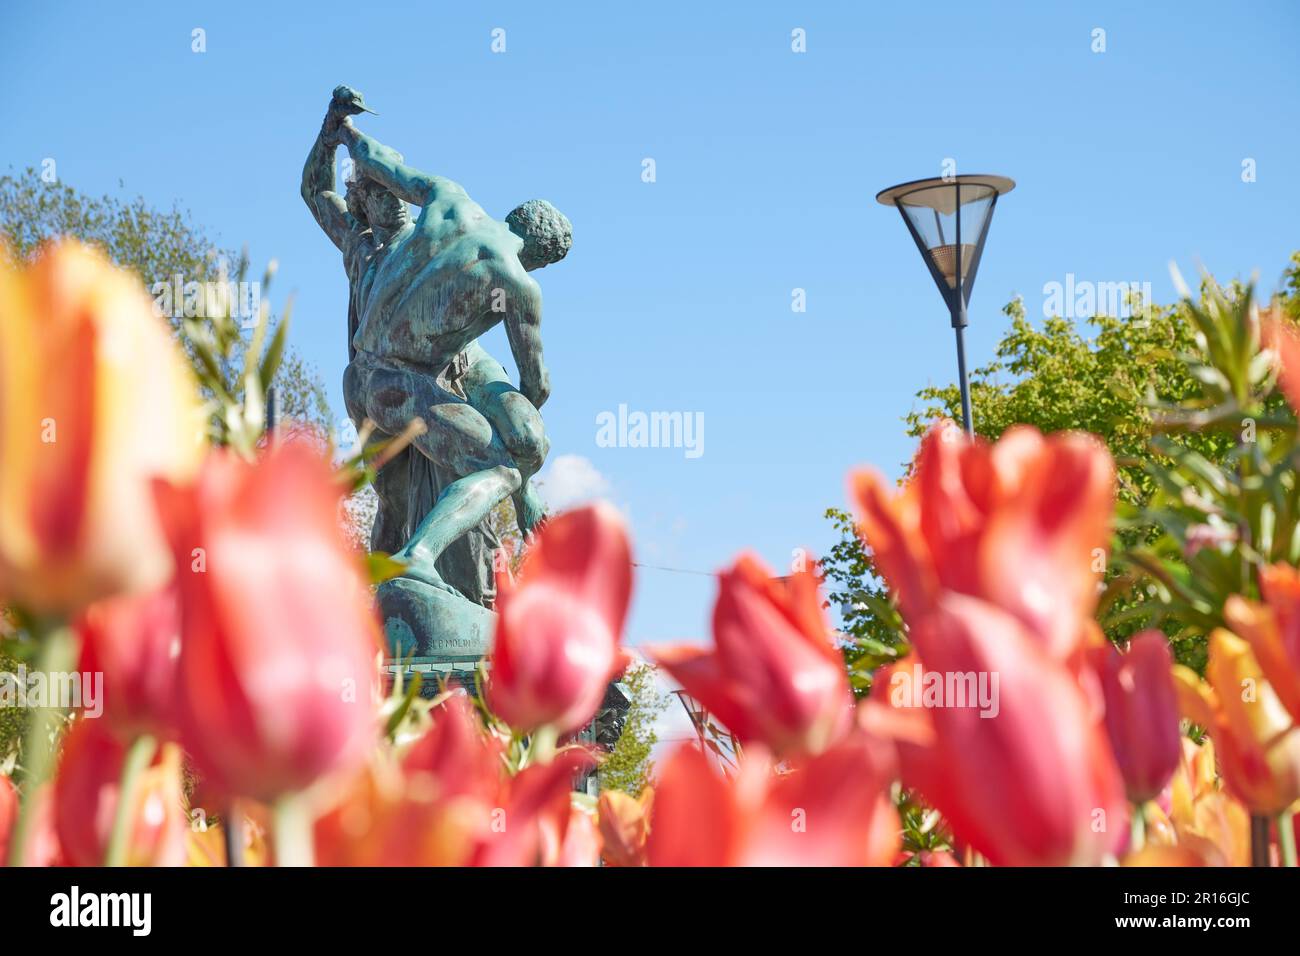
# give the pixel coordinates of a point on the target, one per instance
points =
(1141, 712)
(279, 637)
(1031, 783)
(557, 638)
(8, 813)
(773, 676)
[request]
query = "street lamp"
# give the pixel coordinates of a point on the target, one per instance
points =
(949, 219)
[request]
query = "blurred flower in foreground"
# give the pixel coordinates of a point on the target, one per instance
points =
(557, 638)
(279, 637)
(1284, 340)
(8, 813)
(625, 826)
(86, 795)
(1030, 783)
(829, 810)
(773, 676)
(1204, 816)
(1023, 524)
(449, 802)
(95, 400)
(1272, 630)
(134, 641)
(1257, 741)
(1141, 711)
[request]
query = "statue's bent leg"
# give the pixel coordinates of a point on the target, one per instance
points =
(519, 424)
(458, 438)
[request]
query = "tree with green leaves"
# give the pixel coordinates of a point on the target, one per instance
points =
(628, 767)
(157, 245)
(1114, 376)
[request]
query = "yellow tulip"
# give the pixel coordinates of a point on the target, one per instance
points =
(96, 400)
(1258, 743)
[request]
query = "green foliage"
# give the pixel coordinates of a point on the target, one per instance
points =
(156, 245)
(1213, 519)
(872, 627)
(1164, 387)
(628, 766)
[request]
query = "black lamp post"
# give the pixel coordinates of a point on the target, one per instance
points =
(949, 219)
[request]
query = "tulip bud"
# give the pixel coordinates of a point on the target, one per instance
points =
(773, 676)
(1141, 712)
(279, 639)
(557, 638)
(134, 642)
(96, 400)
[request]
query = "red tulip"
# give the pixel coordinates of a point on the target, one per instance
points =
(1034, 781)
(279, 637)
(773, 676)
(86, 795)
(1022, 524)
(1141, 712)
(557, 638)
(831, 810)
(134, 641)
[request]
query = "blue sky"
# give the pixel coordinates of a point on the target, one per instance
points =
(677, 294)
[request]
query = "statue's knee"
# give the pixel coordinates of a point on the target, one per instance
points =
(529, 443)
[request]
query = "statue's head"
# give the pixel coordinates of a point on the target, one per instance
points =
(546, 232)
(372, 204)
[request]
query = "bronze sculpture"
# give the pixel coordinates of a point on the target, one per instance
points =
(421, 292)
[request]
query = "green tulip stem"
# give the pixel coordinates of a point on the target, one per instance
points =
(138, 757)
(293, 827)
(1286, 837)
(57, 651)
(1138, 825)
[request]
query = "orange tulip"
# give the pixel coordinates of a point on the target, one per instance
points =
(1273, 630)
(86, 795)
(1022, 524)
(773, 676)
(624, 826)
(96, 399)
(1141, 712)
(830, 810)
(1033, 780)
(1258, 742)
(279, 639)
(449, 802)
(134, 641)
(1202, 813)
(557, 638)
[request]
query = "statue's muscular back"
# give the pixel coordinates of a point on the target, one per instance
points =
(431, 290)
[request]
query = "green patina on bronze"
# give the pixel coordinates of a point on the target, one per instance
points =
(422, 291)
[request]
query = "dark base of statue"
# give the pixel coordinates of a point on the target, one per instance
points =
(432, 624)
